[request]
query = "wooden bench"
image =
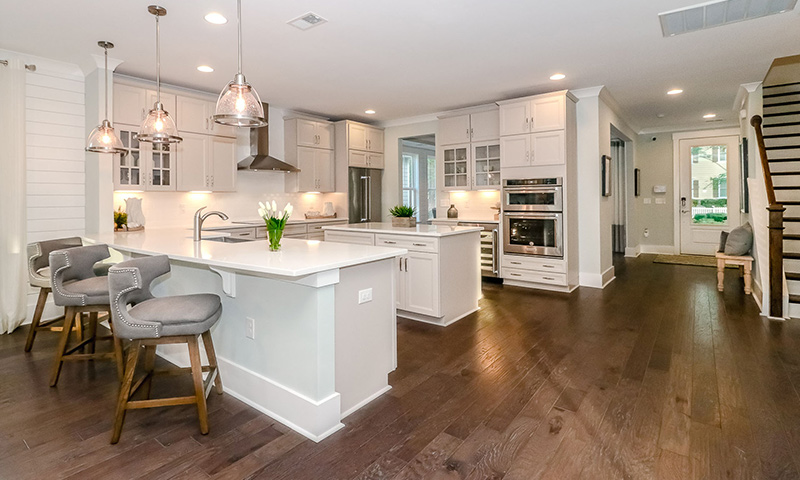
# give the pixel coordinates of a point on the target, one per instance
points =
(745, 263)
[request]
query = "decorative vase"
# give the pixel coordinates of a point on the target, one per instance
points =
(274, 235)
(406, 222)
(452, 212)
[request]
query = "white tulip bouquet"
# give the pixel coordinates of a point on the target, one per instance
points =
(275, 221)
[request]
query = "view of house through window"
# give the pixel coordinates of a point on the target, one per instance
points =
(710, 184)
(418, 175)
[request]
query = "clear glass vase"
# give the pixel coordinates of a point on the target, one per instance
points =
(274, 235)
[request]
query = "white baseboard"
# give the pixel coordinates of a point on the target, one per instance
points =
(597, 280)
(314, 419)
(418, 317)
(366, 401)
(659, 249)
(633, 252)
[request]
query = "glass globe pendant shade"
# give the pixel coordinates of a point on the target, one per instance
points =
(158, 127)
(103, 139)
(239, 105)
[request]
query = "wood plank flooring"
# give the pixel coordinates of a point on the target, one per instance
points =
(657, 376)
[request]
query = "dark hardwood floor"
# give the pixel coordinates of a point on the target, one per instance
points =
(657, 376)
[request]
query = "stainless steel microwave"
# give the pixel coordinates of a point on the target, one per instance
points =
(533, 195)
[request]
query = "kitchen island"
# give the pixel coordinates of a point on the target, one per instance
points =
(307, 334)
(439, 279)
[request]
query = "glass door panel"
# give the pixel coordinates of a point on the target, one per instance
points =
(709, 175)
(486, 165)
(456, 167)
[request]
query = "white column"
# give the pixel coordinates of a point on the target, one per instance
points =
(99, 167)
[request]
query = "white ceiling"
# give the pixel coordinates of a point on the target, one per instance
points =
(414, 57)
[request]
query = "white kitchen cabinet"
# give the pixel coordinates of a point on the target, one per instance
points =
(486, 165)
(453, 130)
(129, 104)
(533, 149)
(479, 126)
(206, 163)
(418, 283)
(316, 170)
(145, 166)
(361, 144)
(194, 114)
(129, 168)
(456, 163)
(469, 149)
(516, 150)
(484, 126)
(364, 137)
(169, 100)
(161, 161)
(539, 113)
(358, 158)
(309, 133)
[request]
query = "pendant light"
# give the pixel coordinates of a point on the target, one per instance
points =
(238, 104)
(158, 127)
(103, 139)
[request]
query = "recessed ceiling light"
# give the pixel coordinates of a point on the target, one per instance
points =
(306, 21)
(674, 91)
(205, 69)
(216, 18)
(369, 112)
(558, 76)
(709, 115)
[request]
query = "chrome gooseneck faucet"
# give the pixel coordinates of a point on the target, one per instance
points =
(199, 218)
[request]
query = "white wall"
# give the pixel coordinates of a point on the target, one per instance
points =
(654, 158)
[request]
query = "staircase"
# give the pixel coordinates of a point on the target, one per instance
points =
(781, 133)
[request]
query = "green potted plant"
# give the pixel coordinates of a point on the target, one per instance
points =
(403, 216)
(275, 221)
(120, 219)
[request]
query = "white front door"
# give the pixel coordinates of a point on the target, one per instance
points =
(709, 191)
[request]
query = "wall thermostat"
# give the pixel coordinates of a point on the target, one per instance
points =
(659, 189)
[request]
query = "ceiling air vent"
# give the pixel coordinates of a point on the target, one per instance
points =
(310, 19)
(714, 14)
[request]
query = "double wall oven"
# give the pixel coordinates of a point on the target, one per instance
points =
(533, 217)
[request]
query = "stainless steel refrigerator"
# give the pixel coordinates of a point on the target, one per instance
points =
(365, 194)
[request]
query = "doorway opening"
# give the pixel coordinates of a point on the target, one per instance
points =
(619, 196)
(418, 175)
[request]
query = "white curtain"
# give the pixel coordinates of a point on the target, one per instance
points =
(618, 196)
(13, 274)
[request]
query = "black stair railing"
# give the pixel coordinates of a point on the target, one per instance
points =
(775, 226)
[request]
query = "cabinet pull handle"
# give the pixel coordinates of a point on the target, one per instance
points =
(515, 263)
(400, 264)
(470, 133)
(406, 264)
(419, 244)
(389, 242)
(548, 266)
(548, 278)
(527, 124)
(515, 274)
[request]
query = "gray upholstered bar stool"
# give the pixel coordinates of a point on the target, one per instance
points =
(39, 276)
(77, 288)
(149, 321)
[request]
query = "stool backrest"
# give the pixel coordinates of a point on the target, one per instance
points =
(129, 284)
(71, 264)
(39, 255)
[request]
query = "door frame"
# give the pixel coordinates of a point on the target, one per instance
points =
(676, 175)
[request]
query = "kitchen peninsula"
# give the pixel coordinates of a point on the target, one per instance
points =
(307, 334)
(439, 279)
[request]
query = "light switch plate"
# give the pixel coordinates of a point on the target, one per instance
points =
(251, 328)
(661, 201)
(648, 201)
(364, 296)
(659, 189)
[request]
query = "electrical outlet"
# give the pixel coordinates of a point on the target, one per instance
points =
(661, 201)
(444, 202)
(646, 232)
(251, 328)
(364, 296)
(648, 200)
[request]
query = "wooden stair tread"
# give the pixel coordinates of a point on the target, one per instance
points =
(791, 256)
(792, 276)
(794, 298)
(779, 124)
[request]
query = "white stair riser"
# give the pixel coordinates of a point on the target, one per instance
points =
(792, 107)
(783, 89)
(794, 310)
(783, 153)
(775, 142)
(791, 265)
(779, 130)
(769, 101)
(791, 228)
(769, 120)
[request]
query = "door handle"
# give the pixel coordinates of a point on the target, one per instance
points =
(683, 205)
(406, 264)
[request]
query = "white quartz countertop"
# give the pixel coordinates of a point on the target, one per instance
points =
(423, 230)
(454, 221)
(295, 258)
(258, 222)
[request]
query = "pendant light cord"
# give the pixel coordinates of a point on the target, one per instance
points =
(158, 63)
(239, 24)
(105, 87)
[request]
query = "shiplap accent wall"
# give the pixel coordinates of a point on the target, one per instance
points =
(56, 159)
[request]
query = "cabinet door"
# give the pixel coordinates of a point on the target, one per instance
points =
(357, 136)
(486, 165)
(547, 113)
(323, 168)
(514, 118)
(456, 167)
(547, 148)
(375, 160)
(515, 151)
(485, 126)
(306, 133)
(215, 128)
(161, 161)
(129, 104)
(375, 140)
(421, 272)
(222, 163)
(453, 130)
(356, 158)
(325, 135)
(306, 178)
(129, 169)
(191, 115)
(193, 173)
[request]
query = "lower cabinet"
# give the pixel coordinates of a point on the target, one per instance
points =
(418, 283)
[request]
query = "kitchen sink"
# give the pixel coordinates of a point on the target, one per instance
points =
(228, 239)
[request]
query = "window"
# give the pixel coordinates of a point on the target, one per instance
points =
(410, 180)
(418, 176)
(695, 188)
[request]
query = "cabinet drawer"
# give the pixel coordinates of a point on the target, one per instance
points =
(535, 277)
(541, 264)
(316, 236)
(294, 230)
(348, 237)
(317, 227)
(412, 243)
(248, 232)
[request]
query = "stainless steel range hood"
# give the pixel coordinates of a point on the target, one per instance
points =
(259, 159)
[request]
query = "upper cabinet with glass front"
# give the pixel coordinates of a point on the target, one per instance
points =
(469, 149)
(144, 166)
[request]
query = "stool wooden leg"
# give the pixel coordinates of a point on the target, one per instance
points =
(37, 317)
(92, 332)
(197, 376)
(149, 366)
(119, 352)
(748, 278)
(69, 317)
(720, 274)
(79, 326)
(212, 360)
(125, 389)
